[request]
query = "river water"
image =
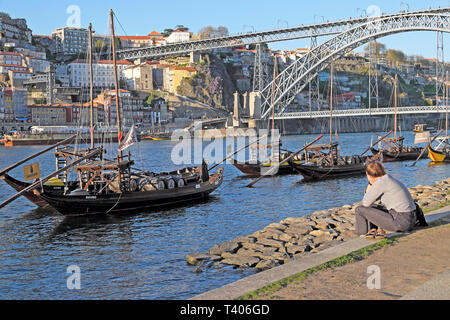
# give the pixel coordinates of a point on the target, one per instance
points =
(142, 256)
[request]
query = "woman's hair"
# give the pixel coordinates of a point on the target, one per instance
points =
(375, 169)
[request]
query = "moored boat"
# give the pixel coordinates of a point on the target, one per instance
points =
(39, 136)
(438, 156)
(393, 149)
(115, 186)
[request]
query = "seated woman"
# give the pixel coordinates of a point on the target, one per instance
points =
(399, 214)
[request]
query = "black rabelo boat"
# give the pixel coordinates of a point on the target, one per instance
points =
(332, 164)
(115, 187)
(393, 149)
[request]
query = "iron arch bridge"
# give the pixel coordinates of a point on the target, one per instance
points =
(283, 90)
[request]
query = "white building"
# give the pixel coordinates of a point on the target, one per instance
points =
(179, 36)
(79, 73)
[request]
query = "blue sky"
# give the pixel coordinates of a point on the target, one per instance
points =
(140, 17)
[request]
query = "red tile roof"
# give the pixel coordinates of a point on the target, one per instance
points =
(12, 65)
(10, 53)
(134, 37)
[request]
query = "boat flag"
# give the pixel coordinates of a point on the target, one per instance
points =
(130, 139)
(93, 128)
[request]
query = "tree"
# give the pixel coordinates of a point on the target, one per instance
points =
(395, 56)
(264, 46)
(209, 32)
(167, 32)
(99, 45)
(180, 27)
(380, 49)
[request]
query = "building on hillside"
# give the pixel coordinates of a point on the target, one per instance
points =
(176, 75)
(145, 76)
(155, 35)
(129, 42)
(132, 108)
(47, 115)
(18, 77)
(15, 107)
(70, 41)
(11, 58)
(179, 36)
(159, 113)
(37, 65)
(79, 74)
(14, 30)
(2, 107)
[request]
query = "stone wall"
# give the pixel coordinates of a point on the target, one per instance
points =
(297, 237)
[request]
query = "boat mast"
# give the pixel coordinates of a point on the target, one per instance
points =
(395, 106)
(331, 103)
(91, 89)
(446, 112)
(273, 95)
(273, 98)
(116, 82)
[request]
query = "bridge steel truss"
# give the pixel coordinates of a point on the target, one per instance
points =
(299, 74)
(362, 112)
(299, 32)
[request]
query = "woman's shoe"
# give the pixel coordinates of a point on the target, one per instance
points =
(371, 234)
(381, 234)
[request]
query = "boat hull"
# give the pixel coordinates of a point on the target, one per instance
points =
(315, 172)
(19, 186)
(400, 156)
(117, 204)
(256, 170)
(35, 196)
(437, 156)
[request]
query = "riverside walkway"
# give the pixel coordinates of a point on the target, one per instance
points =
(412, 266)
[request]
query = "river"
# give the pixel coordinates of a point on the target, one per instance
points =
(142, 256)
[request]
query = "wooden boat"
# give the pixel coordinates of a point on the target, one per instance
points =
(331, 165)
(115, 187)
(160, 136)
(441, 153)
(41, 136)
(144, 192)
(420, 128)
(396, 151)
(438, 156)
(261, 168)
(393, 149)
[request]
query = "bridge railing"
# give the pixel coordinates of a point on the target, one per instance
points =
(362, 112)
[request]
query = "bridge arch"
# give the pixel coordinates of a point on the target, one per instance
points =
(297, 76)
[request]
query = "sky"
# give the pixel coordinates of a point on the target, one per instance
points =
(140, 17)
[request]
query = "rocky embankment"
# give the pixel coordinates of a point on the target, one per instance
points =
(295, 238)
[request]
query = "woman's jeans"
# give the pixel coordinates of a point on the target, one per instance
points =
(375, 217)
